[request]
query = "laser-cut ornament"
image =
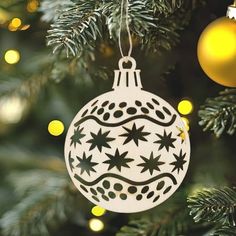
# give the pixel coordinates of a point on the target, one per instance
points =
(127, 150)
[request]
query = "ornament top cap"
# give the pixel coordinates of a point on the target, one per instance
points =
(126, 78)
(231, 12)
(126, 60)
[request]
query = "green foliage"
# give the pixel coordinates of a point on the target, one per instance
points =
(225, 231)
(76, 28)
(162, 221)
(40, 196)
(79, 27)
(46, 198)
(219, 114)
(53, 9)
(25, 88)
(216, 206)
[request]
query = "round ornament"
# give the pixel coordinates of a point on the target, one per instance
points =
(127, 150)
(217, 49)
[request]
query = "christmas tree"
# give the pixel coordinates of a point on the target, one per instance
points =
(55, 56)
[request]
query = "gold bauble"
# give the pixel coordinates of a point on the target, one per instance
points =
(217, 51)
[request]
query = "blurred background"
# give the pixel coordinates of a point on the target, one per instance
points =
(37, 87)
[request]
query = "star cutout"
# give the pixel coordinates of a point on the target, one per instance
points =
(135, 134)
(181, 134)
(118, 160)
(179, 163)
(100, 140)
(71, 161)
(75, 138)
(151, 163)
(85, 164)
(165, 141)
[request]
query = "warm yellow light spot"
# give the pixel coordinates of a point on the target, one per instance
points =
(25, 27)
(181, 133)
(12, 109)
(16, 22)
(96, 225)
(55, 127)
(186, 123)
(106, 50)
(98, 211)
(11, 27)
(185, 107)
(12, 56)
(32, 6)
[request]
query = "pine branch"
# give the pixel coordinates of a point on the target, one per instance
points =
(23, 159)
(25, 88)
(77, 28)
(52, 9)
(156, 24)
(48, 200)
(219, 114)
(172, 221)
(214, 205)
(164, 7)
(140, 17)
(142, 227)
(225, 231)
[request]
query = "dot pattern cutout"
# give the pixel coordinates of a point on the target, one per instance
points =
(118, 114)
(122, 104)
(120, 191)
(131, 110)
(111, 106)
(152, 107)
(134, 157)
(106, 116)
(100, 111)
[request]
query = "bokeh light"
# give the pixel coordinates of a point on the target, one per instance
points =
(12, 56)
(11, 27)
(56, 127)
(32, 6)
(185, 107)
(96, 225)
(16, 22)
(25, 27)
(98, 211)
(11, 109)
(186, 123)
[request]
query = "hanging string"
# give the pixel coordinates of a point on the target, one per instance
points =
(126, 6)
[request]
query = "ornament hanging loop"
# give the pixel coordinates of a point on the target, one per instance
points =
(125, 5)
(126, 60)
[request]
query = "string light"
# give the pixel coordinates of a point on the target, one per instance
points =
(56, 127)
(98, 211)
(96, 225)
(11, 27)
(16, 22)
(25, 27)
(12, 56)
(11, 109)
(186, 123)
(32, 6)
(185, 107)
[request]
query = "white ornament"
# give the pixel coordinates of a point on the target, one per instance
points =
(127, 150)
